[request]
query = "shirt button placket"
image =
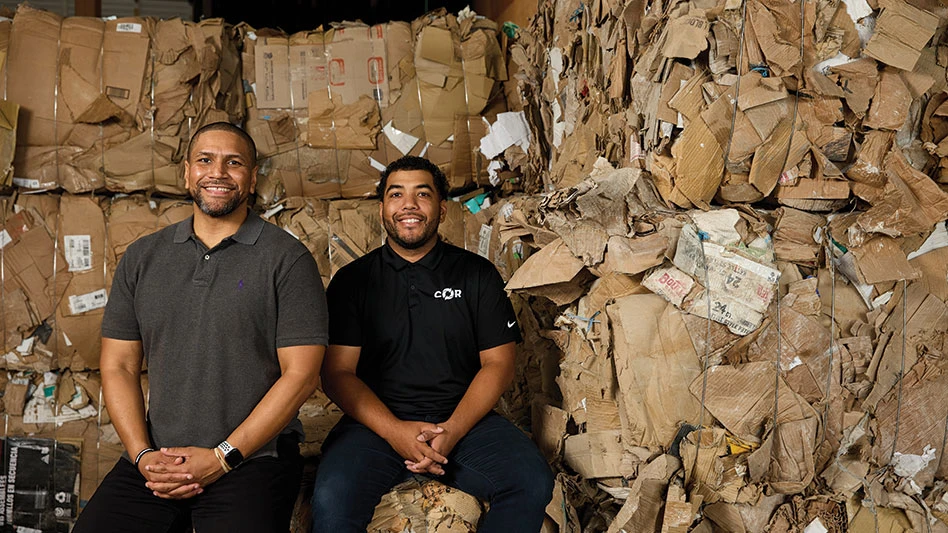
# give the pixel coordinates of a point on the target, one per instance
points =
(412, 291)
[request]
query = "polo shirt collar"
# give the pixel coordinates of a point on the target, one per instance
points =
(429, 261)
(247, 233)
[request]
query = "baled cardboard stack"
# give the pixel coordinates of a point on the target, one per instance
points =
(111, 107)
(331, 107)
(762, 362)
(110, 104)
(770, 364)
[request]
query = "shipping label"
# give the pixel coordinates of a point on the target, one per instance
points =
(740, 289)
(78, 252)
(82, 303)
(483, 244)
(128, 27)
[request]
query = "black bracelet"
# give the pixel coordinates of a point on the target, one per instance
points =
(141, 454)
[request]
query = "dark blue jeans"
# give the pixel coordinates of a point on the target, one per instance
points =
(495, 461)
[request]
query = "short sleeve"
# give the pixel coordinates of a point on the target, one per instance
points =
(345, 326)
(301, 305)
(120, 320)
(496, 320)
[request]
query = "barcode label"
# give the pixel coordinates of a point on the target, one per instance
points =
(128, 27)
(483, 246)
(82, 303)
(78, 251)
(28, 183)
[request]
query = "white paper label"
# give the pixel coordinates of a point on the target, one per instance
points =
(401, 140)
(128, 27)
(740, 289)
(78, 252)
(28, 183)
(81, 303)
(5, 238)
(376, 165)
(483, 245)
(670, 283)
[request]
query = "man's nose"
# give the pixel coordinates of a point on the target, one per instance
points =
(219, 168)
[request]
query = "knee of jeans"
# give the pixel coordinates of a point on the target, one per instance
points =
(533, 483)
(540, 490)
(329, 497)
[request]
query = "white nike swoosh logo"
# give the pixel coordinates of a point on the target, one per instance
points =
(510, 324)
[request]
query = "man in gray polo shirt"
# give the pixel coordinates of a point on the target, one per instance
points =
(230, 315)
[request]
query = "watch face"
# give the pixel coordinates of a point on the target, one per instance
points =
(234, 457)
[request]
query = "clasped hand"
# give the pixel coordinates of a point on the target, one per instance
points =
(180, 473)
(424, 446)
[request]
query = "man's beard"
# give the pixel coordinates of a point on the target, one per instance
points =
(391, 229)
(223, 210)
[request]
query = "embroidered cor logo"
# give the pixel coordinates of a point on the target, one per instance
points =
(447, 294)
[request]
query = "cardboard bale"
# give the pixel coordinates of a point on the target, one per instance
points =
(81, 304)
(354, 230)
(655, 363)
(308, 220)
(428, 506)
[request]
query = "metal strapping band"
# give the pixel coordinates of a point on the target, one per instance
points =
(898, 405)
(832, 346)
(707, 350)
(296, 124)
(56, 147)
(467, 114)
(151, 117)
(101, 87)
(737, 88)
(332, 115)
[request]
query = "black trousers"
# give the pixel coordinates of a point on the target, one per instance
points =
(256, 497)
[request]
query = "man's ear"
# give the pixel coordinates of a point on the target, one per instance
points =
(444, 210)
(187, 175)
(253, 179)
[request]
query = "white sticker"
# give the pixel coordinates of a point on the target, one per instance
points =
(81, 303)
(483, 245)
(78, 252)
(128, 27)
(5, 238)
(376, 165)
(28, 183)
(424, 150)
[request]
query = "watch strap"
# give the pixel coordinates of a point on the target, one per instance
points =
(232, 455)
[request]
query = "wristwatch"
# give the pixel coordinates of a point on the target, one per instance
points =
(231, 455)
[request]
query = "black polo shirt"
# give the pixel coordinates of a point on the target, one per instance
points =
(420, 325)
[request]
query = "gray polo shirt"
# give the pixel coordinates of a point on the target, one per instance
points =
(210, 322)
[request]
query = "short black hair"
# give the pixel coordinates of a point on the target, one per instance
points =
(411, 162)
(226, 126)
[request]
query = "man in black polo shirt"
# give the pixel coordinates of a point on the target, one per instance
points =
(230, 314)
(421, 346)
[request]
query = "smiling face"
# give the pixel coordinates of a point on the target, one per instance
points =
(411, 211)
(220, 173)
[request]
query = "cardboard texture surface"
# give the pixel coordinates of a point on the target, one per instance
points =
(714, 232)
